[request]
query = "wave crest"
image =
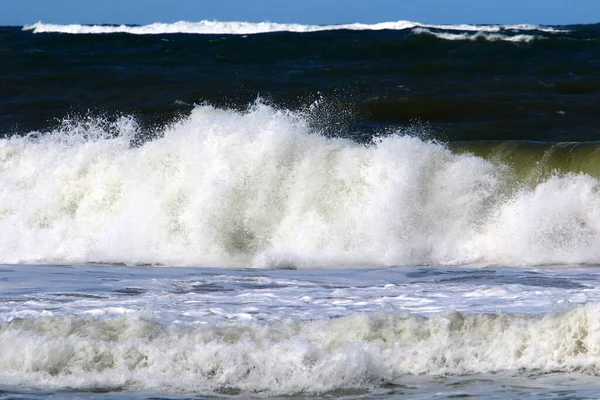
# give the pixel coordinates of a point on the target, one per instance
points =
(245, 28)
(491, 37)
(263, 188)
(360, 351)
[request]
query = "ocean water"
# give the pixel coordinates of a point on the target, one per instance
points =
(239, 210)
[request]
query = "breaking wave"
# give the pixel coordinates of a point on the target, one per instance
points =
(486, 35)
(289, 357)
(264, 188)
(245, 28)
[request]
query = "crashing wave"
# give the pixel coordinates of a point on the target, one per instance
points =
(263, 188)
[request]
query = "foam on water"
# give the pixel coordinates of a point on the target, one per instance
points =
(263, 188)
(245, 28)
(210, 296)
(492, 37)
(358, 351)
(182, 331)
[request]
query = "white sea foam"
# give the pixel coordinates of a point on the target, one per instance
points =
(245, 28)
(261, 188)
(210, 296)
(489, 36)
(289, 357)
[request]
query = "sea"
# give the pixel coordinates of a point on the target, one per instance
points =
(239, 210)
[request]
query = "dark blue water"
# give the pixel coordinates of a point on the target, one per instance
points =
(540, 86)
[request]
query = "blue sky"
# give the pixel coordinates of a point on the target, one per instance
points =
(20, 12)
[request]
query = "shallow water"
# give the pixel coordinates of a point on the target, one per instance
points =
(179, 332)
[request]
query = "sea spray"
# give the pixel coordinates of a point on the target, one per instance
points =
(262, 188)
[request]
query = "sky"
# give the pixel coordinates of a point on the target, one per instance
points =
(548, 12)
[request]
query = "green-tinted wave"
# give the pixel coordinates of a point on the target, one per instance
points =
(534, 162)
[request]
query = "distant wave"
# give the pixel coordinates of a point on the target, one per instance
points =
(489, 36)
(245, 28)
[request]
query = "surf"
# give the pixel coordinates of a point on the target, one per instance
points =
(266, 188)
(290, 357)
(247, 28)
